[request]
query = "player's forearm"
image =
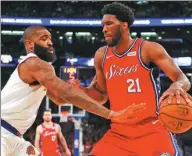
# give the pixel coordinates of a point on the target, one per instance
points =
(74, 95)
(55, 99)
(37, 145)
(183, 82)
(79, 98)
(64, 143)
(95, 94)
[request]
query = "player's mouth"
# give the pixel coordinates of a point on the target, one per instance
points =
(51, 50)
(107, 36)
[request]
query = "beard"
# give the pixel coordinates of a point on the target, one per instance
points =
(44, 54)
(116, 39)
(47, 120)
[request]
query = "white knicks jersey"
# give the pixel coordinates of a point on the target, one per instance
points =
(20, 102)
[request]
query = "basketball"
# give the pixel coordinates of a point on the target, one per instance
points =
(177, 118)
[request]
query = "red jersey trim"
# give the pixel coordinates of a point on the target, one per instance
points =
(124, 53)
(157, 93)
(139, 55)
(104, 56)
(53, 125)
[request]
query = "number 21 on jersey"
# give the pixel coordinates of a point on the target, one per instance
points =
(133, 86)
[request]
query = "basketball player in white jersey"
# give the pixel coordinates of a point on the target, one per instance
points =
(33, 79)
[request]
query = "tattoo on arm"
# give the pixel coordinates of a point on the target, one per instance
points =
(44, 74)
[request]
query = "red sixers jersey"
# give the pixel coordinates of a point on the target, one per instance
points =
(49, 141)
(129, 81)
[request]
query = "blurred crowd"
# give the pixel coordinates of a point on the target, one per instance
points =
(92, 9)
(86, 46)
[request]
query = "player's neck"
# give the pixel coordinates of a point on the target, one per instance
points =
(123, 45)
(48, 124)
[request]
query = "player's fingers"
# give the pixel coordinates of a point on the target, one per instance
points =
(170, 97)
(129, 108)
(138, 107)
(77, 82)
(93, 83)
(187, 98)
(74, 82)
(163, 97)
(190, 99)
(71, 81)
(178, 98)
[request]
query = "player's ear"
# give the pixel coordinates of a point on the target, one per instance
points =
(124, 26)
(29, 45)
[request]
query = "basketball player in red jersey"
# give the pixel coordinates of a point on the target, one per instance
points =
(124, 73)
(47, 136)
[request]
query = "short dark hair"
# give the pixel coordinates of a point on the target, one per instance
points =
(47, 110)
(121, 11)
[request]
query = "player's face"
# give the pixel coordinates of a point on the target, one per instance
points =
(47, 117)
(43, 46)
(111, 29)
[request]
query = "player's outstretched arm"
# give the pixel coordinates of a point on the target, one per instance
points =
(55, 99)
(97, 89)
(44, 73)
(157, 54)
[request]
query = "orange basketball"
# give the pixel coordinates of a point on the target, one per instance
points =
(177, 118)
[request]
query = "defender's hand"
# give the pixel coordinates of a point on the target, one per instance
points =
(128, 115)
(75, 83)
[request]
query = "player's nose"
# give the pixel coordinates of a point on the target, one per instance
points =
(104, 29)
(50, 43)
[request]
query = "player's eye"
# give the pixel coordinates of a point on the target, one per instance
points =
(43, 39)
(108, 23)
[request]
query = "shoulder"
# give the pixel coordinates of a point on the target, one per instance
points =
(39, 128)
(154, 51)
(35, 63)
(99, 54)
(100, 51)
(57, 126)
(151, 46)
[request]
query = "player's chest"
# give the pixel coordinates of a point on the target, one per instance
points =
(49, 132)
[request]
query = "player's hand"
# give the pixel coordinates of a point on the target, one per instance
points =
(175, 90)
(128, 115)
(67, 153)
(75, 83)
